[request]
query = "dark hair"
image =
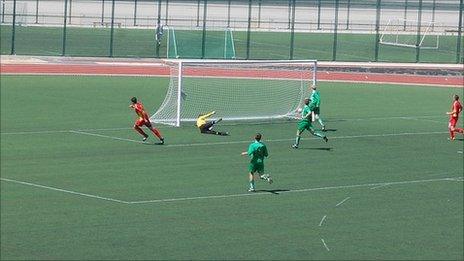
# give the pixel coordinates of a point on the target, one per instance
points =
(456, 97)
(258, 136)
(134, 99)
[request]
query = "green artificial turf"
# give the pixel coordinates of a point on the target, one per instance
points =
(263, 45)
(73, 134)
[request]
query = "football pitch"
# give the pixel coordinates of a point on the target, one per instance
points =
(78, 183)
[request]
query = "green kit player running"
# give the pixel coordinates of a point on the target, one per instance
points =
(257, 152)
(305, 124)
(316, 99)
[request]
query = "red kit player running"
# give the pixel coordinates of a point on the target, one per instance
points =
(143, 120)
(454, 116)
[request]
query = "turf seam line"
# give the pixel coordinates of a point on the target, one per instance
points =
(63, 190)
(343, 201)
(325, 245)
(322, 220)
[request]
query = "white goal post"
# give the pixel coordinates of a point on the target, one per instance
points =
(403, 33)
(236, 90)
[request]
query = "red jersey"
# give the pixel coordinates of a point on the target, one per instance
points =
(138, 107)
(456, 109)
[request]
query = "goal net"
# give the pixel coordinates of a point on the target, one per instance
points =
(219, 44)
(236, 90)
(403, 33)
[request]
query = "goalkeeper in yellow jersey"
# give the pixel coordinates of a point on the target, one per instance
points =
(206, 126)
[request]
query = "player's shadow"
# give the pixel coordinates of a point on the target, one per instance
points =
(331, 130)
(320, 148)
(272, 191)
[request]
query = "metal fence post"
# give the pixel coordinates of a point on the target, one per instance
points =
(135, 12)
(103, 12)
(70, 11)
(248, 30)
(203, 40)
(348, 5)
(112, 28)
(292, 33)
(198, 13)
(13, 30)
(335, 36)
(259, 13)
(228, 13)
(167, 12)
(158, 24)
(3, 11)
(377, 28)
(63, 50)
(37, 11)
(318, 14)
(289, 14)
(459, 40)
(434, 5)
(419, 21)
(405, 14)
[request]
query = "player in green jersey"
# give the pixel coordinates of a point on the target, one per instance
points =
(305, 124)
(316, 99)
(257, 152)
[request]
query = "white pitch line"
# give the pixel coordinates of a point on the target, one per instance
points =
(376, 187)
(460, 151)
(291, 191)
(325, 245)
(63, 190)
(105, 136)
(322, 220)
(230, 195)
(343, 201)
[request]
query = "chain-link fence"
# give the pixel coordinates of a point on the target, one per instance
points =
(338, 30)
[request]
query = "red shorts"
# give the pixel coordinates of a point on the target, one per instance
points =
(452, 123)
(141, 122)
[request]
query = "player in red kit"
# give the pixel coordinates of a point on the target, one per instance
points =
(143, 120)
(454, 116)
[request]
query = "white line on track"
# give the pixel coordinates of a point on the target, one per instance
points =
(343, 201)
(63, 190)
(322, 220)
(230, 195)
(325, 245)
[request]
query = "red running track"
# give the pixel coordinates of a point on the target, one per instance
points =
(151, 70)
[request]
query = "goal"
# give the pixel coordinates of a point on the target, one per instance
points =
(403, 33)
(236, 90)
(218, 44)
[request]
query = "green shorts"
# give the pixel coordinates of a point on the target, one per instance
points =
(256, 167)
(304, 125)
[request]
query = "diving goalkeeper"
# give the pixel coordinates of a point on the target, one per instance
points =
(206, 126)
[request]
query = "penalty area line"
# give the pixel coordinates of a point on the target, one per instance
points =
(105, 136)
(62, 190)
